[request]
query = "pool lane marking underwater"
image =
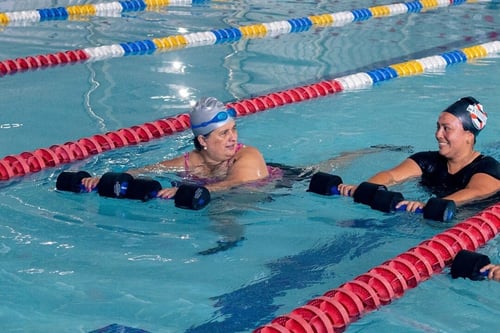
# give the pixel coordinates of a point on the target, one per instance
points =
(30, 162)
(169, 43)
(337, 308)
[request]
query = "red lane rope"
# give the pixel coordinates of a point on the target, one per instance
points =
(29, 162)
(388, 281)
(12, 66)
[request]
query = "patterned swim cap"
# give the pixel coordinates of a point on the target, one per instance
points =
(471, 114)
(209, 114)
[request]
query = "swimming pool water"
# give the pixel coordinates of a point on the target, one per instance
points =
(81, 262)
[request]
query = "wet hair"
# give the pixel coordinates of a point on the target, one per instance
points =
(197, 144)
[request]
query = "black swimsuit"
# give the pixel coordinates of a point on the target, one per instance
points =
(435, 174)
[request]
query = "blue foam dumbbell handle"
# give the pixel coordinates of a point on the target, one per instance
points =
(402, 208)
(436, 209)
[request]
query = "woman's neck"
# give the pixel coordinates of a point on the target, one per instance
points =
(458, 163)
(211, 167)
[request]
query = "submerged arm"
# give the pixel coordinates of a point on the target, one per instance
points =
(480, 186)
(404, 171)
(173, 165)
(347, 157)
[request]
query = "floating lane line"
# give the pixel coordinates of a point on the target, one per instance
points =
(30, 162)
(215, 36)
(107, 9)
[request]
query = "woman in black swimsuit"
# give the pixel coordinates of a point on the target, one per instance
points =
(456, 171)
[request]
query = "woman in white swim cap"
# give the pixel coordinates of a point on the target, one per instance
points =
(218, 158)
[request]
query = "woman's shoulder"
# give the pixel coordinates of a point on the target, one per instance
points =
(487, 164)
(249, 153)
(427, 157)
(246, 149)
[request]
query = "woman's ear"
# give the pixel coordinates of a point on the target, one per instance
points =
(203, 141)
(470, 137)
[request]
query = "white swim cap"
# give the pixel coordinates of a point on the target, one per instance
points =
(209, 114)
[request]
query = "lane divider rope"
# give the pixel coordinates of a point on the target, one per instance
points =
(30, 162)
(113, 9)
(337, 308)
(215, 36)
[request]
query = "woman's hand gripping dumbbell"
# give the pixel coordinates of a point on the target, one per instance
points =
(378, 197)
(123, 185)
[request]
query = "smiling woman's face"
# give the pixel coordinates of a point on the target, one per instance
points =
(451, 137)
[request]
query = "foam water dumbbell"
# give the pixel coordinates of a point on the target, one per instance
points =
(439, 209)
(114, 184)
(384, 200)
(327, 184)
(436, 209)
(379, 198)
(71, 181)
(124, 186)
(324, 183)
(143, 189)
(467, 264)
(365, 193)
(190, 196)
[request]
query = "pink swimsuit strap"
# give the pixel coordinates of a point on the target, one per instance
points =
(186, 162)
(186, 156)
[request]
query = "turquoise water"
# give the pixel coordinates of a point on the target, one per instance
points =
(81, 262)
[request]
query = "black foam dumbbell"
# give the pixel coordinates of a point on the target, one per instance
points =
(111, 184)
(436, 209)
(366, 191)
(467, 264)
(189, 196)
(114, 184)
(124, 186)
(143, 189)
(379, 198)
(324, 183)
(71, 181)
(385, 201)
(439, 209)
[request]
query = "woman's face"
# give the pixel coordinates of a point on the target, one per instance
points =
(452, 139)
(221, 143)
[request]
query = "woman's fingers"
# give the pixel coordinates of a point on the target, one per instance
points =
(411, 206)
(167, 193)
(90, 183)
(346, 190)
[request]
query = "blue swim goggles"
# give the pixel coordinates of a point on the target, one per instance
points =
(221, 116)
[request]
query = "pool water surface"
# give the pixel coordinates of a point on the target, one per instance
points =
(77, 263)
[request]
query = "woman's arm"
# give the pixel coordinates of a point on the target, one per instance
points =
(173, 165)
(480, 186)
(404, 171)
(249, 165)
